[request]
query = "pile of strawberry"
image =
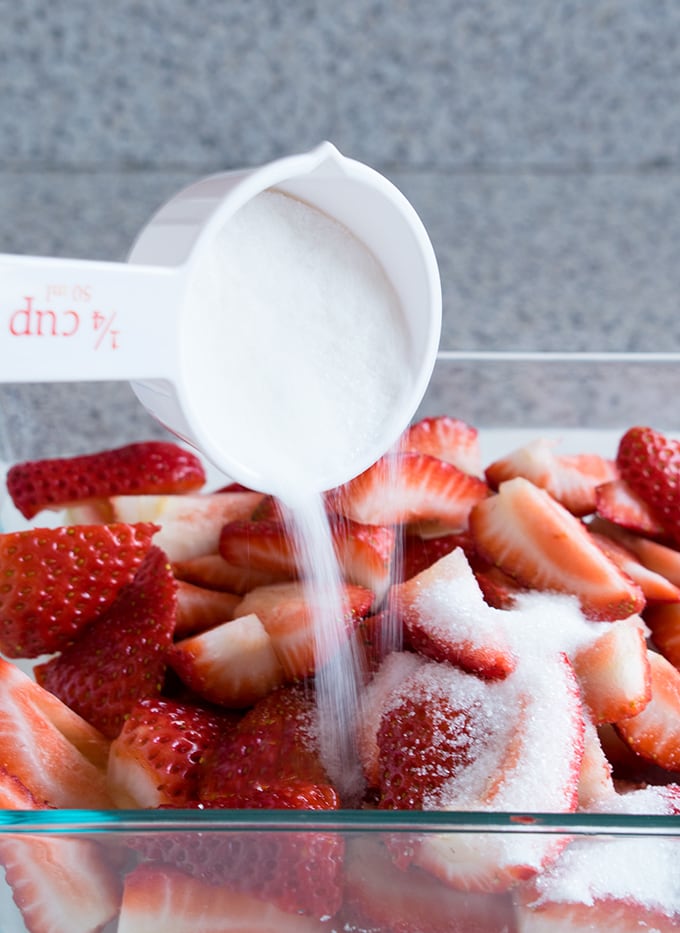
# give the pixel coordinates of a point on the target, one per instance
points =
(518, 633)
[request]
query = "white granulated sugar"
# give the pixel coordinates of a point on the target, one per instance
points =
(297, 350)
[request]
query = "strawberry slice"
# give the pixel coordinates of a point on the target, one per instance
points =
(543, 546)
(654, 733)
(614, 672)
(595, 782)
(650, 463)
(446, 438)
(655, 587)
(57, 757)
(213, 572)
(446, 618)
(147, 467)
(418, 553)
(161, 897)
(190, 525)
(364, 552)
(663, 622)
(199, 608)
(289, 619)
(616, 502)
(233, 664)
(658, 557)
(499, 589)
(56, 580)
(271, 759)
(570, 479)
(158, 757)
(380, 896)
(448, 740)
(60, 884)
(407, 488)
(120, 657)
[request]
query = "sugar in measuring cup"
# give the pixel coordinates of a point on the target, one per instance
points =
(284, 320)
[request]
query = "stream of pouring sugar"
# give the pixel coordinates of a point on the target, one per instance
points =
(338, 671)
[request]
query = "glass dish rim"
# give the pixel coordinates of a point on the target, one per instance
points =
(72, 821)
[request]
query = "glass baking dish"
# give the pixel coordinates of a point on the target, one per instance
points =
(202, 871)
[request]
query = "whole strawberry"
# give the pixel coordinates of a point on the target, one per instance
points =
(650, 463)
(54, 581)
(146, 467)
(121, 656)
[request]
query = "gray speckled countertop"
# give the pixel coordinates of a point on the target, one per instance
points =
(539, 143)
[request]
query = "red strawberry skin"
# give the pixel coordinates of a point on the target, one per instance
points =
(56, 580)
(121, 656)
(650, 463)
(163, 747)
(148, 467)
(271, 761)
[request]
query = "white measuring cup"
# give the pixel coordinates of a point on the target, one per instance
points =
(74, 320)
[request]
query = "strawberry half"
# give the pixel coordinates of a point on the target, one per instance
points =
(289, 619)
(199, 608)
(616, 502)
(571, 479)
(161, 897)
(650, 463)
(60, 883)
(158, 757)
(121, 656)
(654, 733)
(446, 618)
(272, 759)
(57, 757)
(407, 488)
(534, 539)
(446, 438)
(148, 467)
(56, 580)
(233, 664)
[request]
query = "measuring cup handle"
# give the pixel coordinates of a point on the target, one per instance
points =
(72, 320)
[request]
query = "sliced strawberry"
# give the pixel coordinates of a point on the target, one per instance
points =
(289, 619)
(656, 588)
(664, 624)
(158, 757)
(407, 488)
(365, 553)
(380, 896)
(624, 915)
(445, 618)
(419, 553)
(161, 897)
(650, 463)
(60, 884)
(499, 589)
(199, 608)
(272, 759)
(120, 657)
(658, 557)
(616, 502)
(263, 545)
(614, 672)
(56, 756)
(595, 782)
(233, 664)
(542, 545)
(190, 525)
(654, 733)
(446, 438)
(510, 745)
(148, 467)
(571, 479)
(214, 573)
(56, 580)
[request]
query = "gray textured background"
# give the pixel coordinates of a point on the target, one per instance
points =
(538, 139)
